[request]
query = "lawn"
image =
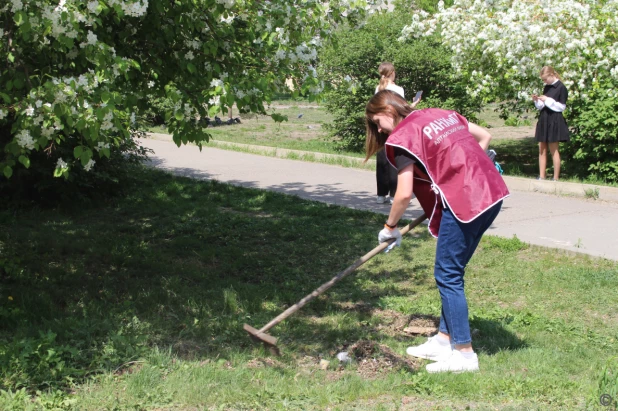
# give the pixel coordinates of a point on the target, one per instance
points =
(306, 133)
(139, 304)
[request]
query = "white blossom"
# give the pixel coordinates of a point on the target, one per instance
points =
(61, 163)
(92, 38)
(93, 6)
(216, 83)
(101, 145)
(47, 133)
(227, 3)
(516, 39)
(89, 165)
(135, 9)
(17, 5)
(25, 140)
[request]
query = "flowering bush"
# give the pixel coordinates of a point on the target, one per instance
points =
(421, 64)
(78, 74)
(499, 47)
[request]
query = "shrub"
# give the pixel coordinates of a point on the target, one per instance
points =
(111, 176)
(593, 149)
(496, 46)
(353, 61)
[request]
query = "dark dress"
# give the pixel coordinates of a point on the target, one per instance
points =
(386, 175)
(552, 126)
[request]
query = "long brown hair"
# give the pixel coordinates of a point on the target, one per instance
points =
(387, 74)
(549, 71)
(383, 102)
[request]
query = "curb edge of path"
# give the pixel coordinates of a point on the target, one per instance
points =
(590, 191)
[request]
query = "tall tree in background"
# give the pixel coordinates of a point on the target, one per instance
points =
(75, 75)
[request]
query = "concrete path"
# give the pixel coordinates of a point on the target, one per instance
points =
(571, 224)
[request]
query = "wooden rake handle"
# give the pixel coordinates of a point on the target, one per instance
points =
(339, 276)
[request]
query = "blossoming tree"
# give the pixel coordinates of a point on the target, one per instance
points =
(76, 73)
(499, 47)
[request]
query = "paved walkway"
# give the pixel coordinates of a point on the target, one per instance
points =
(571, 224)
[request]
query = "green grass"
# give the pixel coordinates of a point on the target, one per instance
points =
(305, 133)
(139, 304)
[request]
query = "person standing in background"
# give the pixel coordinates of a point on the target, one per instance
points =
(551, 128)
(386, 175)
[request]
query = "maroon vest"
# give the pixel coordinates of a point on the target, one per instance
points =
(459, 175)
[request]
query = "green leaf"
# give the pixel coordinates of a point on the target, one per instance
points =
(5, 97)
(278, 117)
(191, 67)
(13, 148)
(58, 172)
(18, 83)
(78, 151)
(25, 161)
(271, 38)
(213, 110)
(19, 17)
(106, 97)
(179, 115)
(86, 156)
(8, 172)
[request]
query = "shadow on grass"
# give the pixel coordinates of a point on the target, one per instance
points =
(520, 158)
(177, 263)
(329, 192)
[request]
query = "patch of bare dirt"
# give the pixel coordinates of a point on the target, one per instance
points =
(361, 306)
(374, 359)
(264, 362)
(296, 106)
(367, 358)
(512, 132)
(394, 323)
(305, 135)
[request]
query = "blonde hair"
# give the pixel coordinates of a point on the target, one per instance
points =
(383, 102)
(549, 71)
(387, 74)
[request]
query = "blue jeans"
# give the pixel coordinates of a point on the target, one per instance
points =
(456, 244)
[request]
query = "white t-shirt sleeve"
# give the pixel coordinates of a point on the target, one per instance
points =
(393, 87)
(396, 89)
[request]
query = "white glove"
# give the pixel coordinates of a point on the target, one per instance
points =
(388, 234)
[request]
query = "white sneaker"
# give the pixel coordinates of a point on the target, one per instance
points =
(431, 350)
(455, 363)
(381, 200)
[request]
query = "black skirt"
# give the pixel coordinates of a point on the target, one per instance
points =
(552, 127)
